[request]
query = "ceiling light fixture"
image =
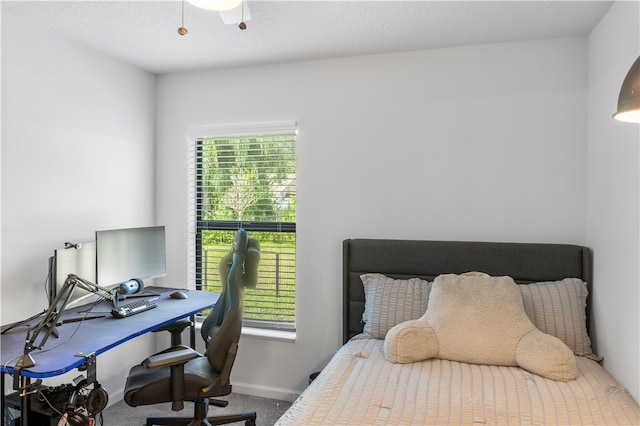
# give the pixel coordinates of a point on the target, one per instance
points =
(242, 25)
(182, 30)
(629, 98)
(215, 4)
(231, 12)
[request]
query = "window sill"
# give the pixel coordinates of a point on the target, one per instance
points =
(263, 333)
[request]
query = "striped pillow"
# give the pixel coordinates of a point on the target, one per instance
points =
(558, 308)
(389, 302)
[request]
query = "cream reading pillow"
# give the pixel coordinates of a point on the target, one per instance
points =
(479, 319)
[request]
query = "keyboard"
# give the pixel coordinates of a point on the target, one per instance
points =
(134, 308)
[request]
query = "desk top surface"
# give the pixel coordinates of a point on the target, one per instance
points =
(63, 354)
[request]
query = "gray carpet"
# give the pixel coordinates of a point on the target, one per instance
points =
(268, 411)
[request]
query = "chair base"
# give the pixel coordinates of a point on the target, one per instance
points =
(200, 416)
(249, 418)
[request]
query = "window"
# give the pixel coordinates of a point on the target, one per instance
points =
(248, 182)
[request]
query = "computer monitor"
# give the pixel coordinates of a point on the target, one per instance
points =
(78, 259)
(124, 254)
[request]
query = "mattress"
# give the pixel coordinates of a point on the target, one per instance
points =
(359, 387)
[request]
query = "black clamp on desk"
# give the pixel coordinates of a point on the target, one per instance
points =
(89, 365)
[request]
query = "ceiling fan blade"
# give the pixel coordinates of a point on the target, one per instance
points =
(235, 15)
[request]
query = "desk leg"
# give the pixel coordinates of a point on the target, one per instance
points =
(192, 332)
(3, 401)
(25, 400)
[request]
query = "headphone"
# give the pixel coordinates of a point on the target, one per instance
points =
(78, 419)
(96, 402)
(74, 416)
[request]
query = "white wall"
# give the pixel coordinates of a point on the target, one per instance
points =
(77, 156)
(473, 143)
(613, 197)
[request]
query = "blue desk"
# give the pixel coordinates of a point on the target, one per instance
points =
(94, 336)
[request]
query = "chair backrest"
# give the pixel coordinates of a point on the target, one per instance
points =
(222, 328)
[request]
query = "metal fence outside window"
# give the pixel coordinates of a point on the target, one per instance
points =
(272, 303)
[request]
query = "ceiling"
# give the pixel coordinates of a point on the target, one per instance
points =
(144, 33)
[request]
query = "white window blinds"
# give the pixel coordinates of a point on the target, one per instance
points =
(249, 182)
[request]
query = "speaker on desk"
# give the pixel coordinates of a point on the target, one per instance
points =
(134, 285)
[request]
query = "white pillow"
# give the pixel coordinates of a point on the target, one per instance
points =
(389, 302)
(558, 308)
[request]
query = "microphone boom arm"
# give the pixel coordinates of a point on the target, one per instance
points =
(53, 313)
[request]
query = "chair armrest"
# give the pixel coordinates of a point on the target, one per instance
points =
(179, 326)
(170, 358)
(176, 329)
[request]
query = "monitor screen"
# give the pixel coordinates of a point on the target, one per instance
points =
(123, 254)
(77, 259)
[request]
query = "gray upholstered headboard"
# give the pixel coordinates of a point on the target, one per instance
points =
(524, 262)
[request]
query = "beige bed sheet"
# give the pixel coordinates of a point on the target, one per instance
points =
(358, 387)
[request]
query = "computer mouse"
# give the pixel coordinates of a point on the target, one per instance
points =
(178, 295)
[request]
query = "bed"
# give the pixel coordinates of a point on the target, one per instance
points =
(360, 387)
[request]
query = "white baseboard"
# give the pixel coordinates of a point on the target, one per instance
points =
(115, 397)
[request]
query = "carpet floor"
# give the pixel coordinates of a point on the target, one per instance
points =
(268, 411)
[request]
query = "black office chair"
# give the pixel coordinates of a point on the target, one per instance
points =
(180, 373)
